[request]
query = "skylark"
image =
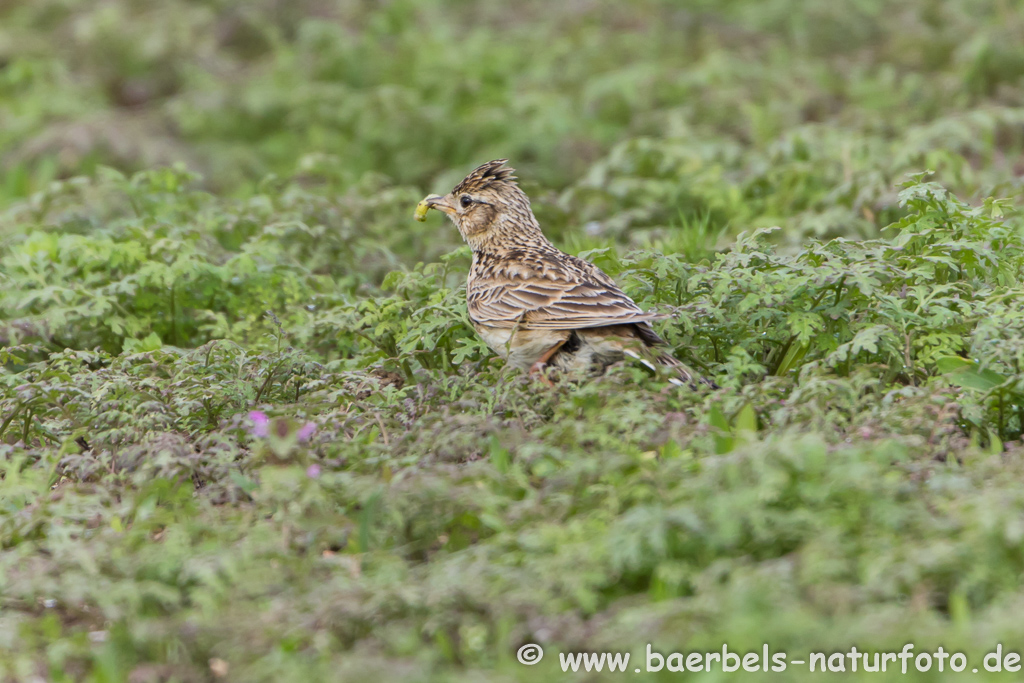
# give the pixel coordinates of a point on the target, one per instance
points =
(533, 304)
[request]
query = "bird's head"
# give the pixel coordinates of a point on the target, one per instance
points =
(487, 207)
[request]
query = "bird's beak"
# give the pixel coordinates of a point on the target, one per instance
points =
(433, 201)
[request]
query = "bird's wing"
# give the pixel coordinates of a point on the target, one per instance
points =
(547, 291)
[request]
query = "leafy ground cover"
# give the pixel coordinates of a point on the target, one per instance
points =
(247, 433)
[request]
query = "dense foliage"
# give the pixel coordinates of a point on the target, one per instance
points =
(247, 432)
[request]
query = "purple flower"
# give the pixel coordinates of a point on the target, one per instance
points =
(313, 471)
(260, 421)
(306, 431)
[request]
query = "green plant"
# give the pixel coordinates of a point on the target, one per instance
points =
(248, 432)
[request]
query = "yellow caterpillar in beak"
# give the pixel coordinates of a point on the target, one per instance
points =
(426, 204)
(421, 211)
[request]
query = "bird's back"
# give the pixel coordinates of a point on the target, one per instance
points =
(541, 287)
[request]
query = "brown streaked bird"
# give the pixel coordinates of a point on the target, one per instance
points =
(533, 304)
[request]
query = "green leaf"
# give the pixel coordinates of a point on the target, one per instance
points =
(717, 419)
(243, 482)
(500, 457)
(724, 440)
(794, 355)
(746, 419)
(968, 374)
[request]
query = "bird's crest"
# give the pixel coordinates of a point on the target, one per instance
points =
(487, 175)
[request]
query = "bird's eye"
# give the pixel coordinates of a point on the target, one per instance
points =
(466, 200)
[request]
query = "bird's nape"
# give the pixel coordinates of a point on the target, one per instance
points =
(492, 174)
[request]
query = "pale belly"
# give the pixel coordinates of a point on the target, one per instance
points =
(589, 349)
(520, 348)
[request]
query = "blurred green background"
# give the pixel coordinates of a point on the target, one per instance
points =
(635, 117)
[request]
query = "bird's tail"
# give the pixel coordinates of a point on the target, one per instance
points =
(651, 356)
